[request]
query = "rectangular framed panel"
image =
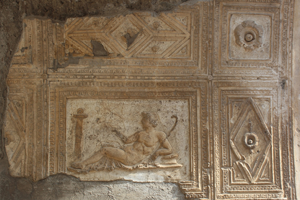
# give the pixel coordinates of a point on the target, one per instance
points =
(247, 140)
(106, 106)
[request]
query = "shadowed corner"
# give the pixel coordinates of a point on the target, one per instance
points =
(1, 146)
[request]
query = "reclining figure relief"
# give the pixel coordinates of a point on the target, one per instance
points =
(148, 148)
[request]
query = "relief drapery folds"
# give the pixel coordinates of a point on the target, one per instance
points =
(192, 96)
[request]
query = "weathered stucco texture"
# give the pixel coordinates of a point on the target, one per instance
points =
(296, 95)
(12, 13)
(149, 99)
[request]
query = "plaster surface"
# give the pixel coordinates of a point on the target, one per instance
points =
(296, 98)
(203, 96)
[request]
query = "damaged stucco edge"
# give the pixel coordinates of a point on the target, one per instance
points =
(296, 94)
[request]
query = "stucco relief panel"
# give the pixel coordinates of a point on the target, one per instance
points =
(23, 131)
(172, 42)
(250, 37)
(247, 140)
(191, 96)
(103, 122)
(103, 135)
(247, 39)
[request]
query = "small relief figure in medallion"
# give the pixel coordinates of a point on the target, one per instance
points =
(141, 150)
(80, 116)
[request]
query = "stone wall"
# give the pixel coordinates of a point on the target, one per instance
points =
(62, 186)
(218, 74)
(296, 97)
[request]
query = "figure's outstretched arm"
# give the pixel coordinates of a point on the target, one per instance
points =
(127, 140)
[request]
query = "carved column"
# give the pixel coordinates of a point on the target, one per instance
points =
(78, 131)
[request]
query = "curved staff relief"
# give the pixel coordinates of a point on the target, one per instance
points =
(156, 153)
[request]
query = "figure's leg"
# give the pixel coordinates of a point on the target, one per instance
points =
(94, 158)
(115, 153)
(110, 152)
